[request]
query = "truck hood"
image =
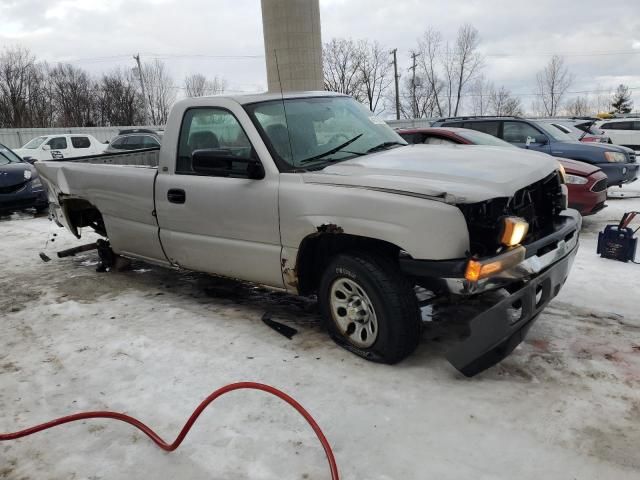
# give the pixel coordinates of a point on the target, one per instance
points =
(454, 174)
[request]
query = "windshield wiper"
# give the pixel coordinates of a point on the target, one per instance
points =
(333, 150)
(384, 146)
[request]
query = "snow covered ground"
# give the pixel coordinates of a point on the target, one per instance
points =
(153, 343)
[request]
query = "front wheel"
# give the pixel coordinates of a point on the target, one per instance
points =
(369, 307)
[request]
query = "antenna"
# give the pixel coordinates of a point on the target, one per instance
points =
(284, 107)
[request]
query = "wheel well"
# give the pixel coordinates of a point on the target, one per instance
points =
(80, 213)
(316, 251)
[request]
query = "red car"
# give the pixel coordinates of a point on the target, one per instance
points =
(587, 184)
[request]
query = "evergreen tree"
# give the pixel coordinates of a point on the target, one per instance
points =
(621, 102)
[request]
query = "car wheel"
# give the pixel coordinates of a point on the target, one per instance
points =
(369, 307)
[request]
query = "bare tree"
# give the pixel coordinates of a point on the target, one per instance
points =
(467, 60)
(447, 68)
(197, 85)
(429, 47)
(578, 106)
(376, 74)
(17, 76)
(75, 94)
(160, 91)
(480, 92)
(120, 102)
(553, 82)
(341, 59)
(502, 103)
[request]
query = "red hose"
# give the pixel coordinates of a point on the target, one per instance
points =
(169, 447)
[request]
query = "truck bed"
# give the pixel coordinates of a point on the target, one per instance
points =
(147, 157)
(120, 186)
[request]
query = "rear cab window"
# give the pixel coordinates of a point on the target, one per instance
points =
(80, 142)
(58, 143)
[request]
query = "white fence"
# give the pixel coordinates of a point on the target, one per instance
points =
(17, 137)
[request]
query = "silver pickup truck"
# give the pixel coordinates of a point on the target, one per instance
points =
(312, 194)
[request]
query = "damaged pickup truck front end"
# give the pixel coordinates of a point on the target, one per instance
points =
(499, 290)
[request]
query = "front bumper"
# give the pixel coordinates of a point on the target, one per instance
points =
(23, 199)
(497, 331)
(620, 173)
(497, 312)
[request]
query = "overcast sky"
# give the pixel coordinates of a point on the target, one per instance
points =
(517, 37)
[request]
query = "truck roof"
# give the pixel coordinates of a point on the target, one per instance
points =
(247, 98)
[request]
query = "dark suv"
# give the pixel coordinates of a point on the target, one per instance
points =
(619, 163)
(134, 139)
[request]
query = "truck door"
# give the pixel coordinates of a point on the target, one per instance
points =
(58, 148)
(222, 222)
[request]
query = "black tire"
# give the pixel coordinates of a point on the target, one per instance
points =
(392, 297)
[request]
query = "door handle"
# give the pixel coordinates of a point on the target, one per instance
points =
(176, 195)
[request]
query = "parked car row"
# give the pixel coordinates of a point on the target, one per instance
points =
(617, 162)
(587, 184)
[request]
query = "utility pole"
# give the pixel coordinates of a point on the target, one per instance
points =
(144, 92)
(395, 76)
(414, 103)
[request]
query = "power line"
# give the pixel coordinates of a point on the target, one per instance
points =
(529, 94)
(572, 54)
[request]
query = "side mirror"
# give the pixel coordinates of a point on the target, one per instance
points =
(218, 162)
(46, 147)
(30, 160)
(537, 140)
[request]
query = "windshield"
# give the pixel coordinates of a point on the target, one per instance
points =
(7, 156)
(555, 132)
(35, 143)
(479, 138)
(320, 130)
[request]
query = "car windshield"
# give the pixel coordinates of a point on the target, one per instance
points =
(480, 138)
(555, 132)
(313, 132)
(7, 156)
(35, 143)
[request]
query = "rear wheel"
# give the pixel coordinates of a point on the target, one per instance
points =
(369, 307)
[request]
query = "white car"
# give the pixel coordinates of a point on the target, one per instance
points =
(622, 131)
(55, 147)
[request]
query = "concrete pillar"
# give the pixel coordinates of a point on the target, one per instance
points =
(292, 32)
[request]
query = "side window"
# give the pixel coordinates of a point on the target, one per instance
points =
(517, 132)
(148, 142)
(618, 126)
(118, 143)
(452, 124)
(491, 128)
(562, 128)
(211, 129)
(636, 125)
(58, 143)
(410, 137)
(80, 142)
(438, 141)
(134, 142)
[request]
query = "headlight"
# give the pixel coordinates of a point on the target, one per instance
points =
(615, 157)
(35, 183)
(514, 229)
(562, 172)
(27, 174)
(575, 179)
